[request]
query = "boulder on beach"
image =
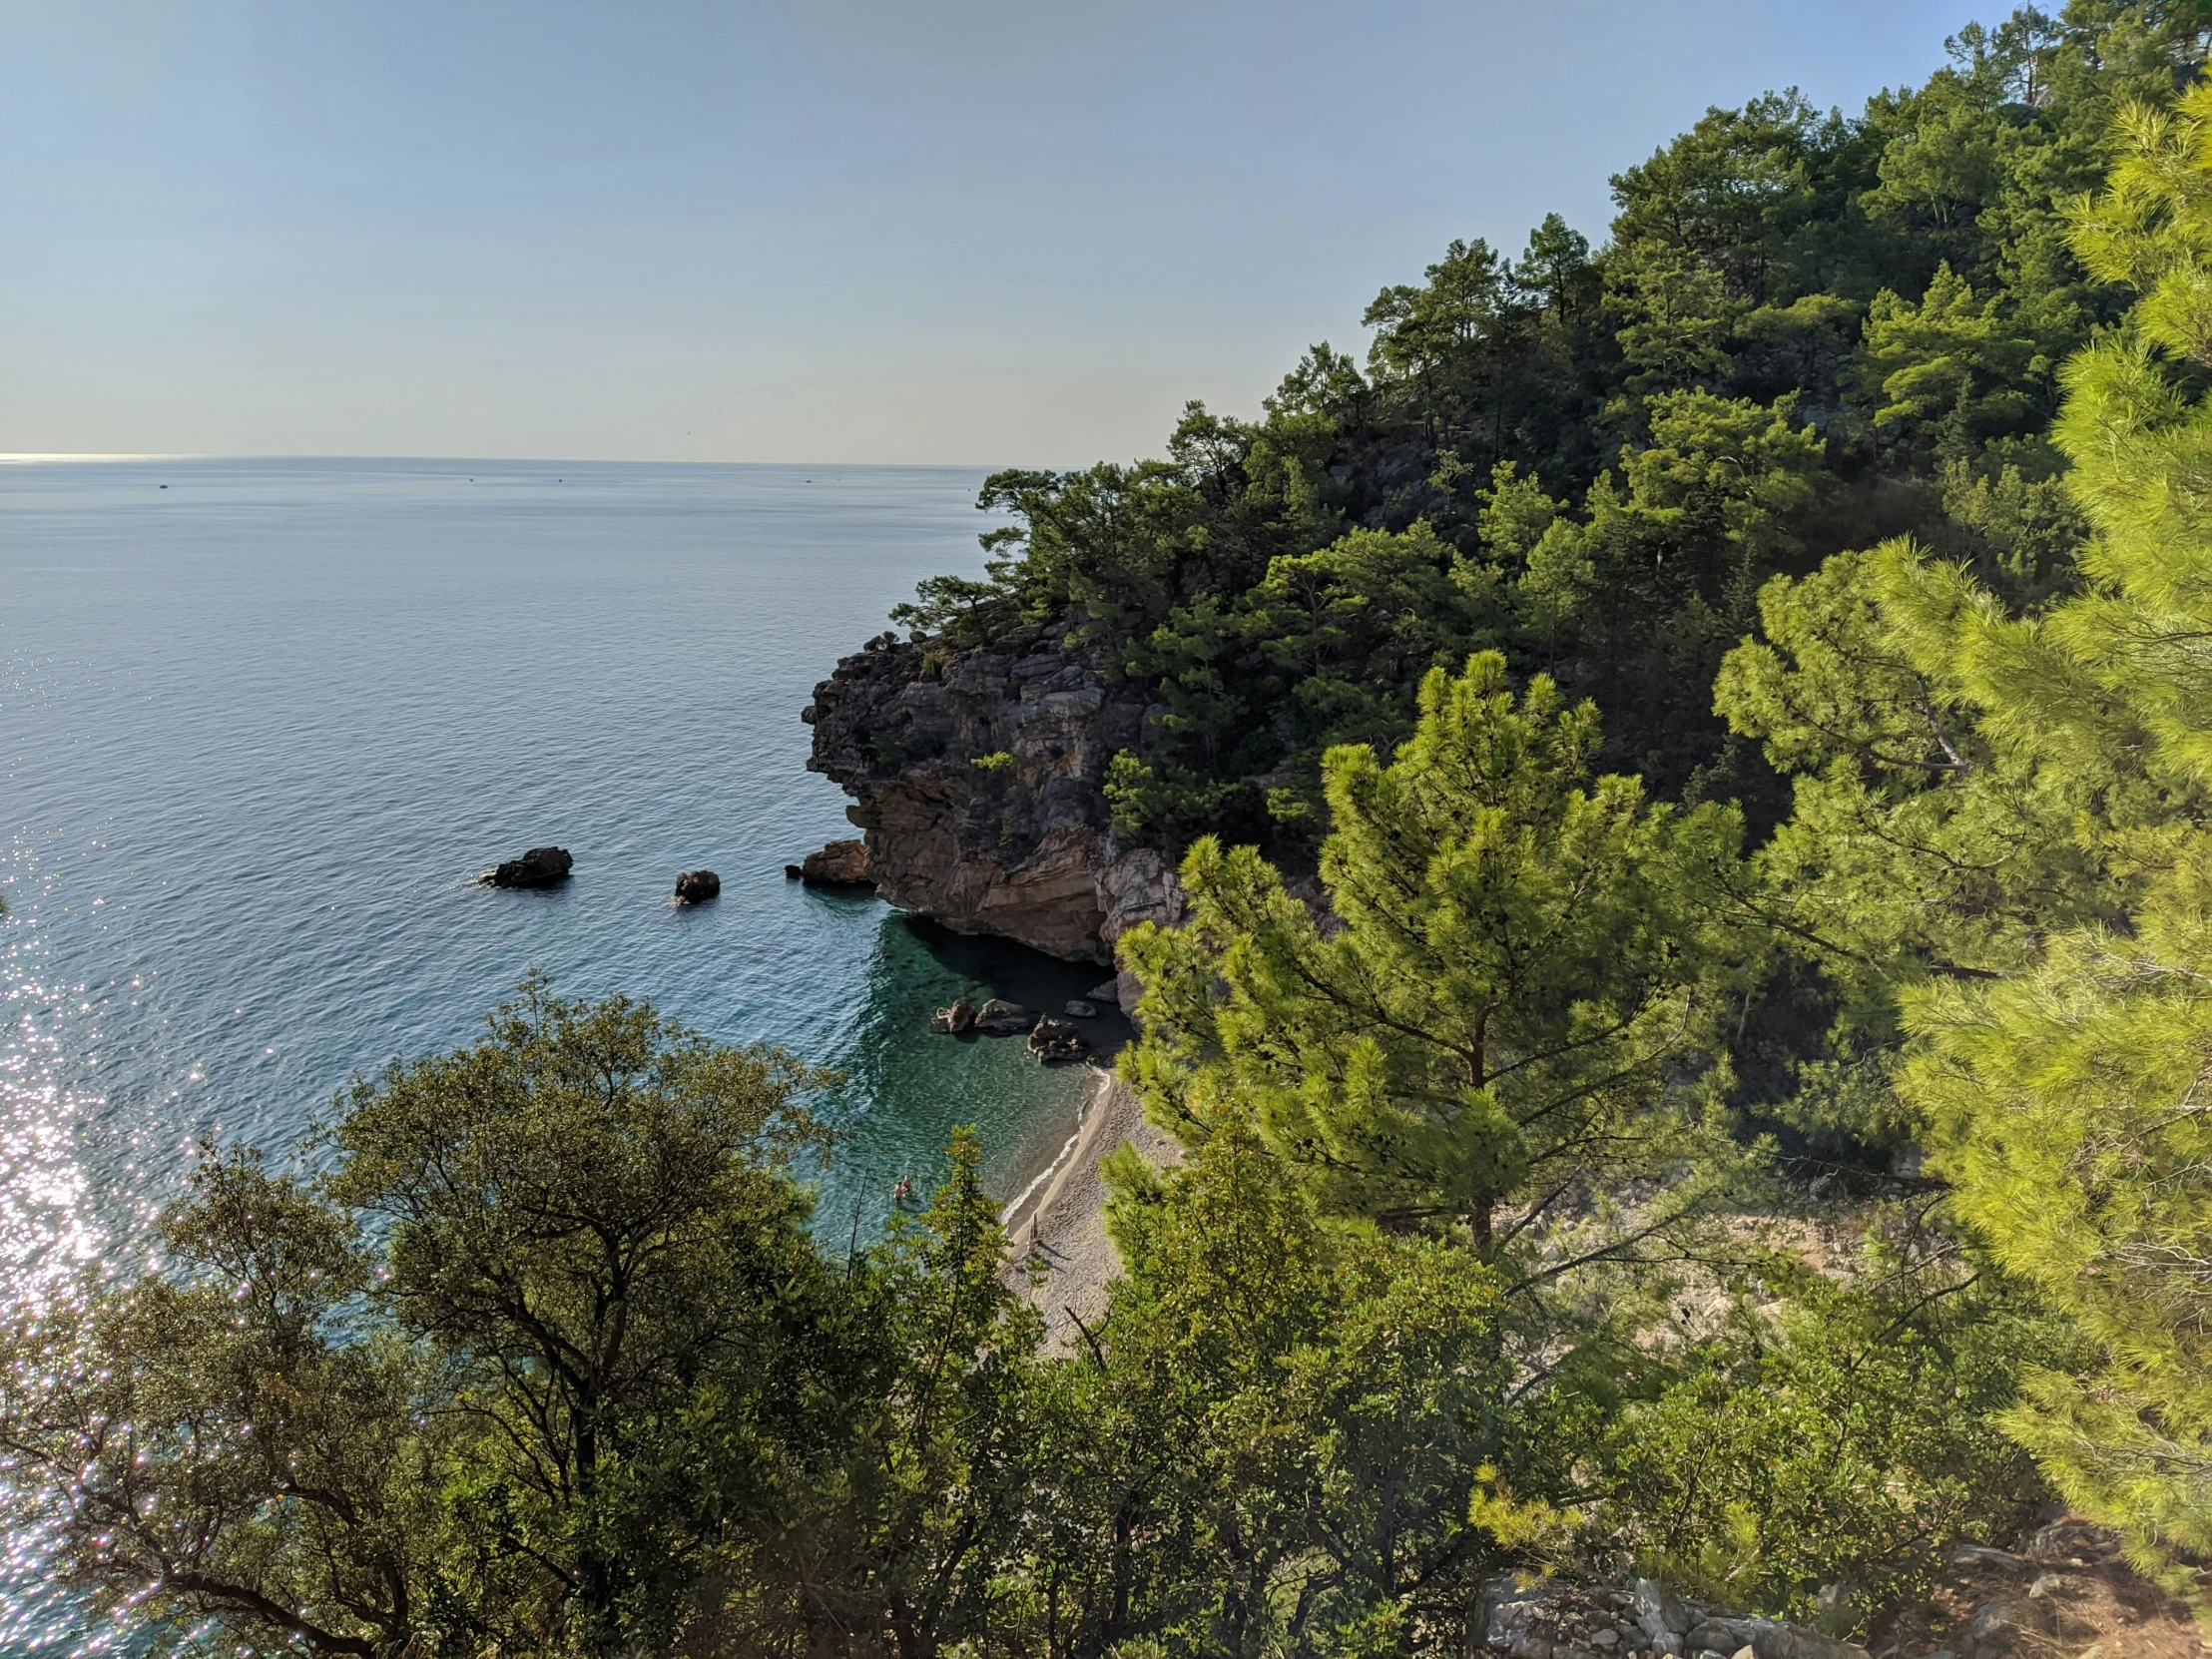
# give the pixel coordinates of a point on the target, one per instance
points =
(1055, 1039)
(541, 867)
(695, 887)
(1079, 1009)
(1003, 1019)
(839, 865)
(954, 1020)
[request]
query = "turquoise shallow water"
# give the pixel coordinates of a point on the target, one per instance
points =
(260, 729)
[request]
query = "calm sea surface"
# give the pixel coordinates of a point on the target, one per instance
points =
(260, 729)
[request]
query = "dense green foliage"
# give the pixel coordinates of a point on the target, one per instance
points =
(1999, 845)
(1836, 1447)
(1807, 331)
(1523, 973)
(1685, 1031)
(1270, 1444)
(2063, 1096)
(545, 1365)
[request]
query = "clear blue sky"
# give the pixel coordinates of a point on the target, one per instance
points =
(959, 230)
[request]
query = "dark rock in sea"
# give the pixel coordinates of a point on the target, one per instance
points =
(793, 872)
(1055, 1039)
(695, 887)
(1079, 1009)
(541, 867)
(1003, 1019)
(952, 1022)
(839, 865)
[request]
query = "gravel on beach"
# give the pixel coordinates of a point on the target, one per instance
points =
(1059, 1255)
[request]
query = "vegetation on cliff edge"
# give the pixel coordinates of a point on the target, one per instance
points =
(1687, 1036)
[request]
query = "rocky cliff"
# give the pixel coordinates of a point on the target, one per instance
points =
(976, 776)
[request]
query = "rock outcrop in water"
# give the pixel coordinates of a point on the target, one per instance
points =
(977, 778)
(839, 865)
(997, 1018)
(695, 887)
(541, 867)
(1056, 1040)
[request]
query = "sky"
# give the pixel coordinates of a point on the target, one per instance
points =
(958, 232)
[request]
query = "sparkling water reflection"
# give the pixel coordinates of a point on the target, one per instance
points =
(260, 729)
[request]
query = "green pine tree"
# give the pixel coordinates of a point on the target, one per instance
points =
(2000, 818)
(1501, 1020)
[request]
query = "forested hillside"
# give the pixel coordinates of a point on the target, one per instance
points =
(1687, 1028)
(1807, 331)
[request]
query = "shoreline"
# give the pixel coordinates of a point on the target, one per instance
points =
(1058, 1254)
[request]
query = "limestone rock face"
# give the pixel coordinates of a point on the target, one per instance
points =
(1768, 1639)
(1659, 1615)
(977, 778)
(2085, 1599)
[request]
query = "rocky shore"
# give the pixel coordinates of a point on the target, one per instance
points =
(977, 779)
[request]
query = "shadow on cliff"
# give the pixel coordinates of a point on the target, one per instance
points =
(985, 967)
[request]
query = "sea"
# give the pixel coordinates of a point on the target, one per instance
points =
(264, 721)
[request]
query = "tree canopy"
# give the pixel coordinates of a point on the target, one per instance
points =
(1807, 331)
(1684, 1040)
(1518, 979)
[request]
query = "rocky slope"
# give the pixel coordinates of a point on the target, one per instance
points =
(977, 776)
(2068, 1593)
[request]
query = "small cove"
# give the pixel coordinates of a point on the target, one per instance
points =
(261, 729)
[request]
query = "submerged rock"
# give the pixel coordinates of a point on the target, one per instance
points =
(839, 865)
(952, 1022)
(1055, 1039)
(541, 867)
(695, 887)
(1080, 1008)
(1003, 1019)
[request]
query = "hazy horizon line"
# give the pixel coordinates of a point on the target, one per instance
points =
(30, 457)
